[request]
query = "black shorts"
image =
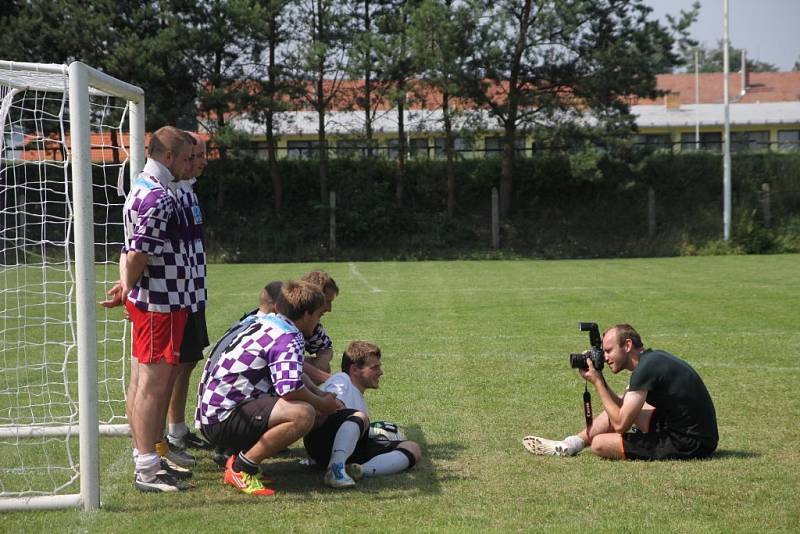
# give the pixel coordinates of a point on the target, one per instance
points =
(244, 427)
(195, 337)
(319, 442)
(662, 443)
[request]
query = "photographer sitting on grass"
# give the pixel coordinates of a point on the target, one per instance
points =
(666, 399)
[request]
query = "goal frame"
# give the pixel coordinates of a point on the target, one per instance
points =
(84, 79)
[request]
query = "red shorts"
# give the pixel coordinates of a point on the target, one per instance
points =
(157, 335)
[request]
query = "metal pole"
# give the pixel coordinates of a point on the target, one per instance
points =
(333, 222)
(84, 285)
(726, 156)
(495, 219)
(696, 100)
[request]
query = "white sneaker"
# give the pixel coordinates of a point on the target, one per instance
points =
(545, 447)
(337, 477)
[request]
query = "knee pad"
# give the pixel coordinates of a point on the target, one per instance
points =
(412, 460)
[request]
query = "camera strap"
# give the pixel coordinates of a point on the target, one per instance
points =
(587, 407)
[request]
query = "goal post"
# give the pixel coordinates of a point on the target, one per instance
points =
(63, 141)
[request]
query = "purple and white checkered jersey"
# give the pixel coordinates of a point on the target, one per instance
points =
(266, 358)
(153, 226)
(216, 353)
(193, 237)
(319, 340)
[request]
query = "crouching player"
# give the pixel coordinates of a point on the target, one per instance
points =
(254, 398)
(341, 442)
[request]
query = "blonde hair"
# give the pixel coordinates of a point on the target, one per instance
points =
(322, 280)
(298, 298)
(168, 139)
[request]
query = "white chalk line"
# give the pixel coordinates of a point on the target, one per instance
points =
(355, 272)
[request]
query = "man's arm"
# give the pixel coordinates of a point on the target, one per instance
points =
(135, 262)
(318, 376)
(324, 405)
(622, 412)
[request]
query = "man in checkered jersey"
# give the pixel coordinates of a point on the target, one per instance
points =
(195, 337)
(255, 398)
(319, 344)
(155, 287)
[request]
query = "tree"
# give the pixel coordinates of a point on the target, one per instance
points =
(711, 60)
(548, 61)
(441, 46)
(275, 88)
(319, 66)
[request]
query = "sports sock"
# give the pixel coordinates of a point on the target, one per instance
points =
(574, 444)
(243, 464)
(386, 464)
(345, 442)
(147, 465)
(178, 430)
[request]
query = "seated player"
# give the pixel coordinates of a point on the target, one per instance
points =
(254, 398)
(341, 442)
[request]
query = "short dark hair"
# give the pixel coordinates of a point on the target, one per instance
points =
(298, 298)
(624, 332)
(271, 292)
(357, 354)
(323, 280)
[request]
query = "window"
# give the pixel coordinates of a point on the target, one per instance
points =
(653, 142)
(418, 147)
(711, 141)
(741, 141)
(462, 147)
(302, 149)
(788, 139)
(351, 148)
(494, 145)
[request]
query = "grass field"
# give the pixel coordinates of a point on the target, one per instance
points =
(475, 357)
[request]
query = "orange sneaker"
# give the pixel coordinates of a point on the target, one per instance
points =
(245, 482)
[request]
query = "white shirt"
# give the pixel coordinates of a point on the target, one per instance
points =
(341, 386)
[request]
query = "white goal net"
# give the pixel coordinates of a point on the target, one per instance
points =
(60, 242)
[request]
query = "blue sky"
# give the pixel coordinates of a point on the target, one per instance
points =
(768, 29)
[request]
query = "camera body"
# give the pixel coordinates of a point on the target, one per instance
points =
(595, 353)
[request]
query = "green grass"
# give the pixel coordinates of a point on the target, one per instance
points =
(475, 356)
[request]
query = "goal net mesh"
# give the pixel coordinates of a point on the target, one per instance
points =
(38, 350)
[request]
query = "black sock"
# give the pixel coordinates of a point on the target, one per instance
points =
(242, 464)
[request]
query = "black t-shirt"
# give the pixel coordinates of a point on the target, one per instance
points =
(679, 395)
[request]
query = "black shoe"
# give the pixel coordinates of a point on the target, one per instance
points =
(189, 441)
(162, 483)
(174, 470)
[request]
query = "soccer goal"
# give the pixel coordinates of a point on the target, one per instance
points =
(68, 134)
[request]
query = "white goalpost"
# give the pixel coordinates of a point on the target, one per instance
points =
(68, 134)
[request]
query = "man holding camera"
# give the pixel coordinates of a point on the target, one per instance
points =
(666, 399)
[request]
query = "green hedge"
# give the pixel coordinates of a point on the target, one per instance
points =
(588, 204)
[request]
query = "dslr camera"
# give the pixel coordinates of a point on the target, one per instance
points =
(595, 353)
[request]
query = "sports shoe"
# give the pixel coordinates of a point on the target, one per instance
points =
(337, 477)
(354, 471)
(545, 447)
(188, 441)
(175, 471)
(245, 482)
(163, 483)
(177, 457)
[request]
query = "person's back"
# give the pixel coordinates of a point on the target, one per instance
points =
(678, 394)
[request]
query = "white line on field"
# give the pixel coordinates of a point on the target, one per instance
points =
(355, 272)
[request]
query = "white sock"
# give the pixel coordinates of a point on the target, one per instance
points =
(147, 465)
(385, 464)
(345, 442)
(574, 444)
(178, 430)
(135, 454)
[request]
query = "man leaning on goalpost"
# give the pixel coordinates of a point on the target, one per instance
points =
(155, 288)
